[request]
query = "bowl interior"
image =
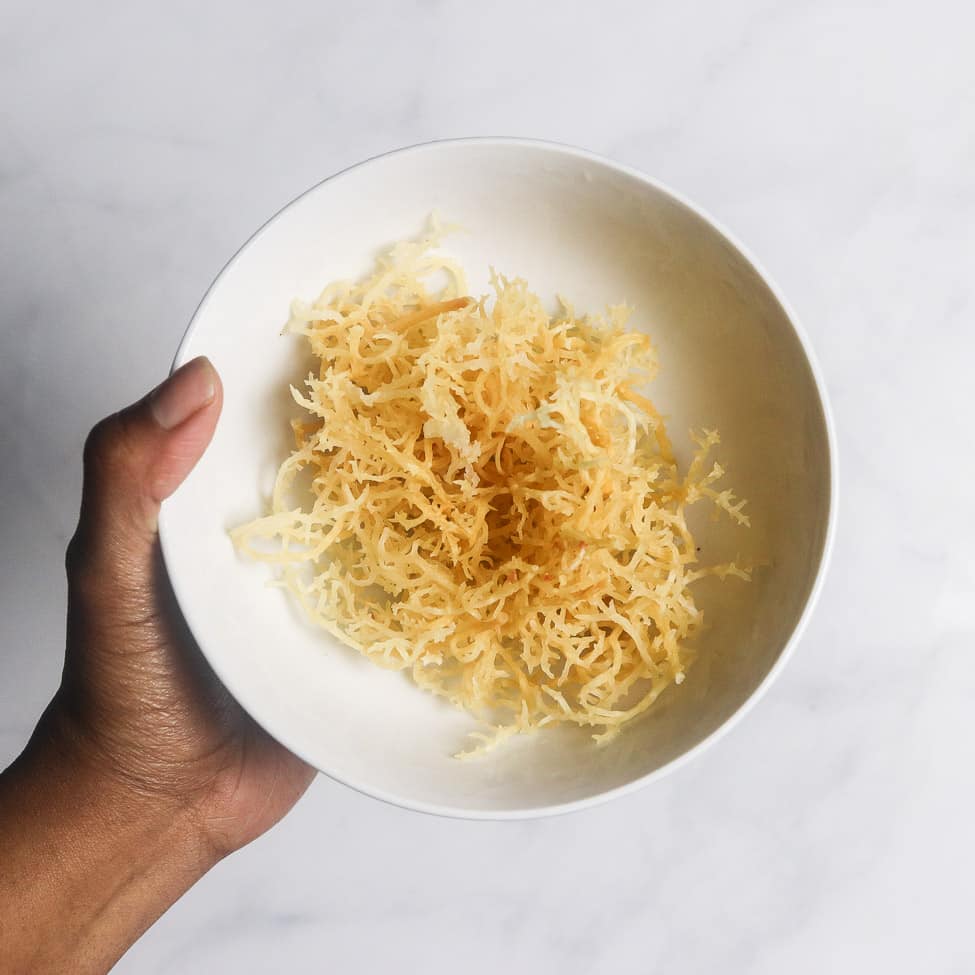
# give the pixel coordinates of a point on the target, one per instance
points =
(568, 223)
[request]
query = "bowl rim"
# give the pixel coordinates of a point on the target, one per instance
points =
(826, 553)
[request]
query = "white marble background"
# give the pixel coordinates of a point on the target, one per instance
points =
(141, 143)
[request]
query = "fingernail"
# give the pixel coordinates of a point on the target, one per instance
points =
(186, 392)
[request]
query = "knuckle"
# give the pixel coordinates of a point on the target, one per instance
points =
(104, 441)
(110, 448)
(101, 580)
(85, 579)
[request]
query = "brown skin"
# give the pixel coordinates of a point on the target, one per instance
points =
(143, 772)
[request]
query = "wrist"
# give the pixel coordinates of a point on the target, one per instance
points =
(88, 862)
(70, 764)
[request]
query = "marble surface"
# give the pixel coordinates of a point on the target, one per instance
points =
(140, 144)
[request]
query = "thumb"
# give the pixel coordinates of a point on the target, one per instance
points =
(133, 461)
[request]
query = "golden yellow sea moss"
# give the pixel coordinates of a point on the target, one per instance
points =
(492, 507)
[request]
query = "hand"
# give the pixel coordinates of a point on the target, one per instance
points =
(143, 772)
(137, 698)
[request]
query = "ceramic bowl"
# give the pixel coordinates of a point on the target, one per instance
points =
(732, 354)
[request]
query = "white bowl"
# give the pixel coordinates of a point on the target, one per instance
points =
(732, 356)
